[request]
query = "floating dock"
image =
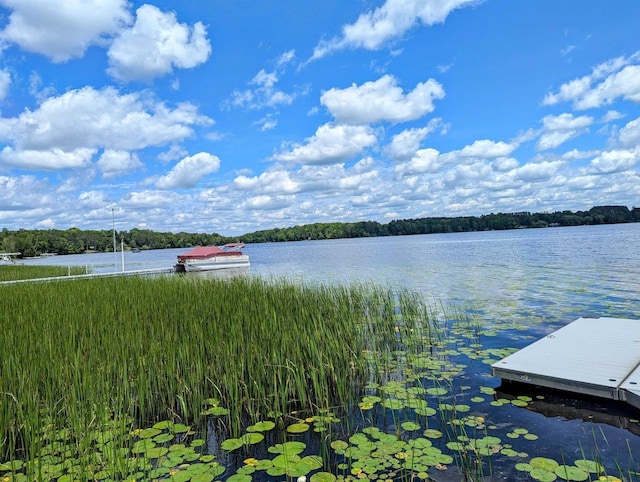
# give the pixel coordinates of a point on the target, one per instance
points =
(591, 356)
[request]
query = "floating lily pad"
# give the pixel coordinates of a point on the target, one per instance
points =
(544, 463)
(410, 426)
(163, 438)
(323, 477)
(571, 472)
(156, 452)
(261, 426)
(589, 466)
(437, 391)
(288, 448)
(542, 475)
(432, 433)
(149, 433)
(239, 478)
(299, 427)
(252, 438)
(231, 444)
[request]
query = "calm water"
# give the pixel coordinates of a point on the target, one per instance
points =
(520, 284)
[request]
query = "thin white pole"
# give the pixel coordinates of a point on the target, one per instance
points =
(115, 252)
(122, 251)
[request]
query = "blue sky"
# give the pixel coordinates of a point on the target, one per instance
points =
(236, 116)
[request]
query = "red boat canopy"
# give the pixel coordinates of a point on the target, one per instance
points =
(204, 252)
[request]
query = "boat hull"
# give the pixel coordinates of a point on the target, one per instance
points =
(215, 263)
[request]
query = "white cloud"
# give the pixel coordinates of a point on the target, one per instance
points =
(537, 171)
(381, 100)
(612, 115)
(558, 129)
(155, 45)
(189, 171)
(279, 181)
(616, 78)
(5, 83)
(615, 161)
(63, 29)
(405, 144)
(374, 29)
(88, 118)
(487, 149)
(264, 202)
(149, 200)
(93, 199)
(629, 135)
(117, 163)
(330, 144)
(264, 94)
(18, 193)
(424, 160)
(46, 160)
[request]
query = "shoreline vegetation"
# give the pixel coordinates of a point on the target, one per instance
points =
(243, 379)
(32, 243)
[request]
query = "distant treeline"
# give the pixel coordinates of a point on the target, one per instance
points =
(75, 241)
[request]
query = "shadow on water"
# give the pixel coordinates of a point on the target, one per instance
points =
(560, 404)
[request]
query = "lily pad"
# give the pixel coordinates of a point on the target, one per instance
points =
(261, 426)
(589, 466)
(299, 427)
(323, 477)
(542, 475)
(571, 472)
(231, 444)
(544, 463)
(410, 426)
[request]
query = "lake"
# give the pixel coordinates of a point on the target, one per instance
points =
(518, 285)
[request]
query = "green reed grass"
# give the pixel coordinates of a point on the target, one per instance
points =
(11, 272)
(79, 353)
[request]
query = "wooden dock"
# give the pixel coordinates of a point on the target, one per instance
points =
(591, 356)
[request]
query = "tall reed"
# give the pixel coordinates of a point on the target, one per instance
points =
(131, 351)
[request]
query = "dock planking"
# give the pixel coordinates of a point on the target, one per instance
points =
(591, 356)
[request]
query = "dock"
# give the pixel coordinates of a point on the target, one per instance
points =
(592, 356)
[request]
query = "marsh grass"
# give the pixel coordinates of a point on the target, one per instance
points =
(128, 352)
(11, 272)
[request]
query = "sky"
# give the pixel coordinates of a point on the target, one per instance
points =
(233, 116)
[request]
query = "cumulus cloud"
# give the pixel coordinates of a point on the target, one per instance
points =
(381, 100)
(5, 83)
(189, 171)
(617, 160)
(117, 163)
(629, 135)
(374, 29)
(405, 144)
(63, 29)
(263, 91)
(537, 171)
(149, 200)
(18, 193)
(155, 45)
(558, 129)
(89, 118)
(424, 160)
(277, 181)
(93, 199)
(613, 79)
(46, 160)
(330, 144)
(487, 149)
